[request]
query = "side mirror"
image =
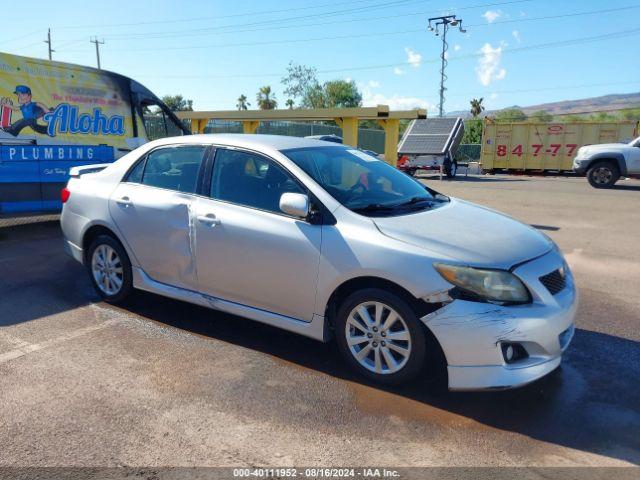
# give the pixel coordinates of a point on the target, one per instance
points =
(295, 204)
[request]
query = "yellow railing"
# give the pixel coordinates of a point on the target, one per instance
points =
(346, 118)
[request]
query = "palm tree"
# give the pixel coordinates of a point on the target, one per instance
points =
(476, 107)
(242, 103)
(289, 104)
(266, 99)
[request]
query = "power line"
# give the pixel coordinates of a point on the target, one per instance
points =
(216, 17)
(163, 33)
(191, 33)
(607, 36)
(565, 15)
(348, 36)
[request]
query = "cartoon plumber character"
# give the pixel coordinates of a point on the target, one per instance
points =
(31, 112)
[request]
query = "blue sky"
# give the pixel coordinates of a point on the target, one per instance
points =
(514, 52)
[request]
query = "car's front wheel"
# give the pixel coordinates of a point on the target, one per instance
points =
(110, 269)
(603, 175)
(380, 336)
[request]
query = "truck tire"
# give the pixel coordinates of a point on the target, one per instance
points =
(451, 169)
(603, 174)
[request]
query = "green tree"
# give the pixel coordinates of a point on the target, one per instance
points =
(603, 117)
(289, 103)
(476, 106)
(541, 116)
(242, 103)
(472, 131)
(266, 98)
(177, 103)
(299, 82)
(511, 115)
(342, 94)
(572, 118)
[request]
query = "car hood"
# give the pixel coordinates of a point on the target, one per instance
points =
(469, 233)
(603, 146)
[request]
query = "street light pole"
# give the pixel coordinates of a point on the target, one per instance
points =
(434, 25)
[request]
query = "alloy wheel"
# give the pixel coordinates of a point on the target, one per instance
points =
(378, 338)
(602, 175)
(107, 271)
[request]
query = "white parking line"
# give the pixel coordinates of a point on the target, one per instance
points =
(24, 347)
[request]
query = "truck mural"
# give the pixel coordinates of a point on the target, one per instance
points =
(54, 116)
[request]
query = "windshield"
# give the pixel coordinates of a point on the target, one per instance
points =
(635, 143)
(361, 182)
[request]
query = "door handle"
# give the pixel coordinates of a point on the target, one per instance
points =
(209, 219)
(125, 201)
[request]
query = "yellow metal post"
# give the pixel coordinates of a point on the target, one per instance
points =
(250, 126)
(199, 125)
(349, 130)
(391, 133)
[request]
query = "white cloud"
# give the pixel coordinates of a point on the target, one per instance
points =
(395, 102)
(492, 15)
(374, 83)
(413, 58)
(457, 47)
(516, 35)
(398, 71)
(493, 96)
(488, 69)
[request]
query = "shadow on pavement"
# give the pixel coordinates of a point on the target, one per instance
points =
(47, 283)
(591, 403)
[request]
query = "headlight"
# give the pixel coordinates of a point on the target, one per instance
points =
(498, 286)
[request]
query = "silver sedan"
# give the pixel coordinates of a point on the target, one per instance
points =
(329, 242)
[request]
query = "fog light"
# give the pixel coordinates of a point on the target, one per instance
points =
(512, 352)
(508, 353)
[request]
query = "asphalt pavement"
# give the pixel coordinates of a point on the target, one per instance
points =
(163, 383)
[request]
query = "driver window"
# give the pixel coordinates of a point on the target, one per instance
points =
(250, 180)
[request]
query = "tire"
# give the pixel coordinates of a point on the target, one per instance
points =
(603, 174)
(113, 280)
(382, 360)
(411, 172)
(451, 169)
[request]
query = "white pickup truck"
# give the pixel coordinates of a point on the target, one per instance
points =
(605, 164)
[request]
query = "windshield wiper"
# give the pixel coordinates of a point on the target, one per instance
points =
(413, 201)
(375, 207)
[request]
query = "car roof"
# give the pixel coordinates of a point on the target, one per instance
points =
(251, 141)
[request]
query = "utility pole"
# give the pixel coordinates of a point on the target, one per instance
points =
(48, 42)
(98, 43)
(445, 22)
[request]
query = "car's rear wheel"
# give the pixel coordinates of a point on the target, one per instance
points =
(603, 175)
(380, 336)
(110, 269)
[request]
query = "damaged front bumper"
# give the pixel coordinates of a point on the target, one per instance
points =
(472, 334)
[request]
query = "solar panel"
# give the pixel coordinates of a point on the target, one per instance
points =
(431, 136)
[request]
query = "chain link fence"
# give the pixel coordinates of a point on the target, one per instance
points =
(468, 153)
(368, 139)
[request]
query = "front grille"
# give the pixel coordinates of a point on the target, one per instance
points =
(554, 281)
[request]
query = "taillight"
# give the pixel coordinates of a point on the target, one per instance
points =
(402, 160)
(65, 194)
